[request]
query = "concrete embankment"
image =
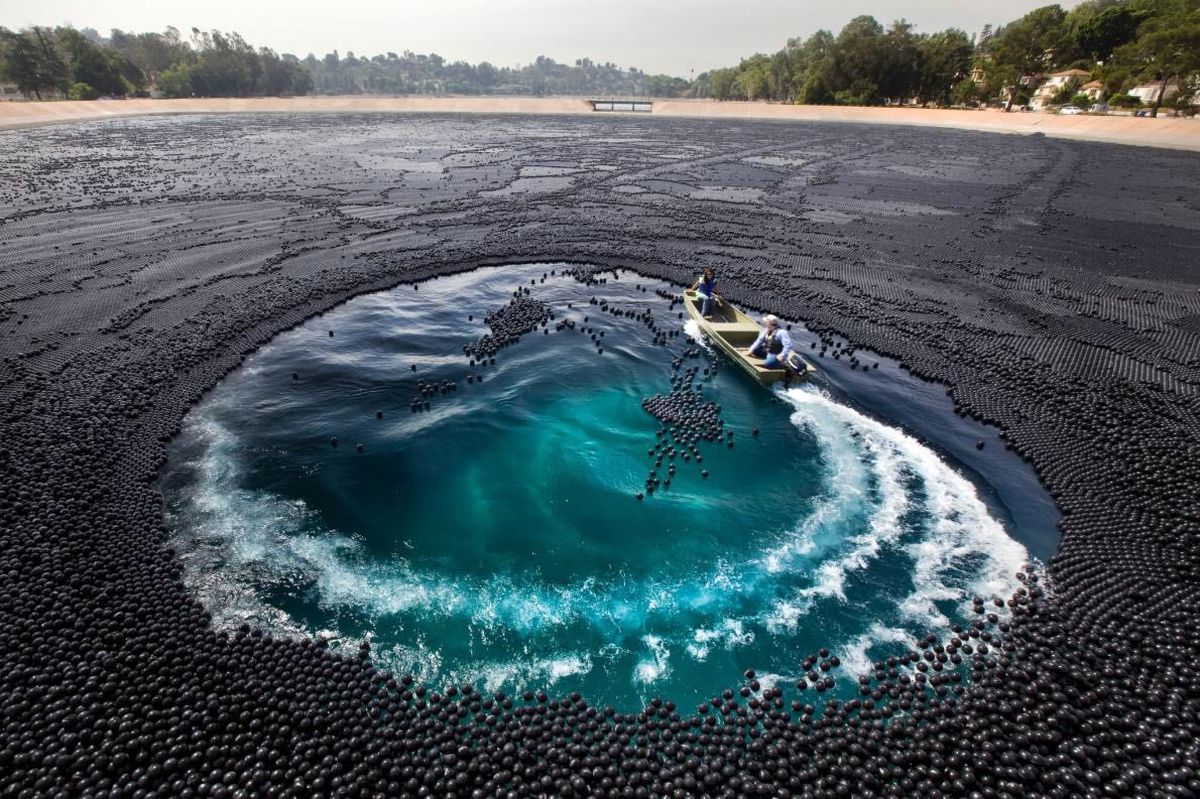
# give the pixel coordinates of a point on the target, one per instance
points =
(1179, 134)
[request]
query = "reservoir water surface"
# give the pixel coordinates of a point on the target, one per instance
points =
(495, 535)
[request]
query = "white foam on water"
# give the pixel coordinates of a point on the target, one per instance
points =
(771, 679)
(701, 643)
(232, 534)
(883, 527)
(423, 662)
(730, 633)
(852, 465)
(237, 539)
(845, 489)
(962, 530)
(856, 662)
(692, 328)
(536, 671)
(233, 541)
(785, 615)
(658, 665)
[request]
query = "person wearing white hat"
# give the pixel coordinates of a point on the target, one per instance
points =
(772, 344)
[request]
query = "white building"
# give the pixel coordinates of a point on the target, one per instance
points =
(1094, 90)
(1148, 92)
(1053, 84)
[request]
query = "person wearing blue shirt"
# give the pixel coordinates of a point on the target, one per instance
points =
(707, 286)
(773, 343)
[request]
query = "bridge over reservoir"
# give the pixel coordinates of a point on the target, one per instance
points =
(644, 106)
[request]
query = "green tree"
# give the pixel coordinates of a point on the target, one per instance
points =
(752, 80)
(32, 61)
(898, 68)
(723, 84)
(226, 65)
(176, 80)
(486, 74)
(943, 61)
(1121, 100)
(1184, 102)
(665, 86)
(81, 64)
(82, 91)
(861, 92)
(1066, 92)
(1027, 48)
(863, 64)
(966, 92)
(855, 63)
(816, 49)
(1115, 77)
(982, 41)
(281, 75)
(101, 68)
(817, 89)
(1167, 50)
(1116, 25)
(151, 53)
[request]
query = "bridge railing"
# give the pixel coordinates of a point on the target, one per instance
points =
(613, 104)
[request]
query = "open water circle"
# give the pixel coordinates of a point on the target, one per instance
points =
(495, 538)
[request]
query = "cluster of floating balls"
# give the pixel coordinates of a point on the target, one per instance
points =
(426, 391)
(113, 682)
(126, 691)
(688, 419)
(152, 702)
(904, 733)
(841, 350)
(507, 324)
(659, 335)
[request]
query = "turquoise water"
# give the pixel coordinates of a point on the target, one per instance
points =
(497, 536)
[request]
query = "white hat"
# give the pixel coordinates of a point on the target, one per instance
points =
(771, 319)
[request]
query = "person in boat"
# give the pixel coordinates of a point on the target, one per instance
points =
(773, 343)
(706, 285)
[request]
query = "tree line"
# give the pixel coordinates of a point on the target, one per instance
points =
(1118, 42)
(82, 65)
(413, 73)
(863, 65)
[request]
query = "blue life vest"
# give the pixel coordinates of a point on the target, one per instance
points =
(707, 286)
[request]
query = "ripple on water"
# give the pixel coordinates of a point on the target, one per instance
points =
(495, 538)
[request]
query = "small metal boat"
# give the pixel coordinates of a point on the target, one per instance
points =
(733, 332)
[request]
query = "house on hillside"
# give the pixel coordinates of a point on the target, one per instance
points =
(1148, 92)
(1094, 90)
(1044, 95)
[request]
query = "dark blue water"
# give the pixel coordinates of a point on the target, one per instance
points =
(495, 537)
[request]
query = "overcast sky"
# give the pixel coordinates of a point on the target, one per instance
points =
(673, 36)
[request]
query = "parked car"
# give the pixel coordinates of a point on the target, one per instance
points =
(1099, 108)
(1070, 110)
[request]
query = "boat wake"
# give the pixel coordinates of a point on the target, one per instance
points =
(897, 544)
(691, 329)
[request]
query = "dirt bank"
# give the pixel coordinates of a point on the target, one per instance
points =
(1178, 134)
